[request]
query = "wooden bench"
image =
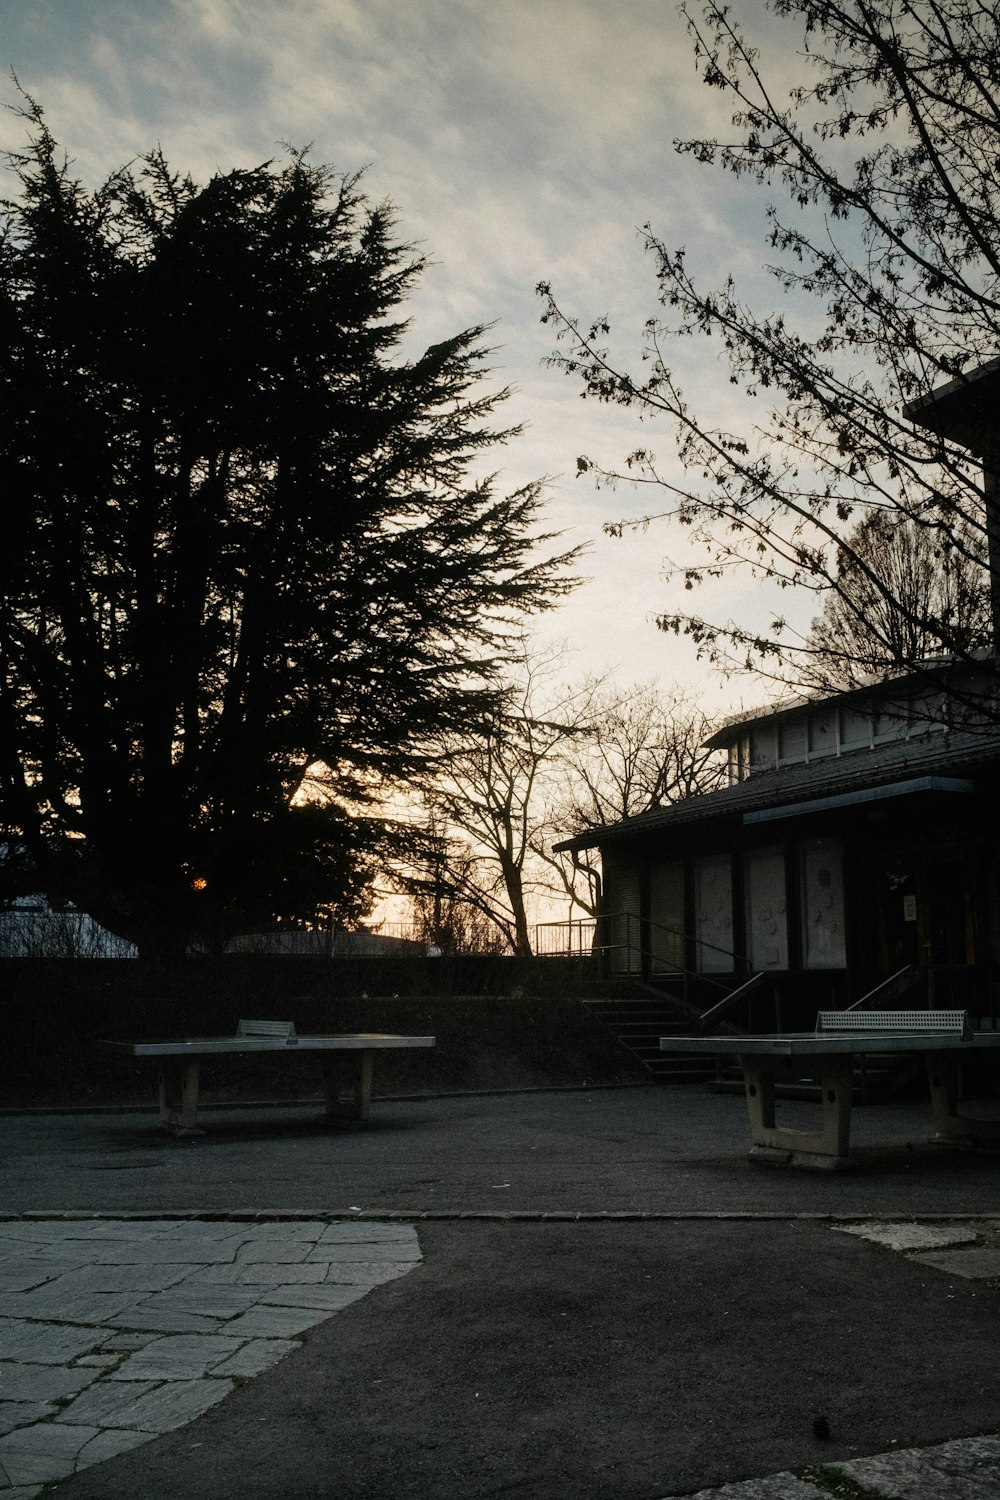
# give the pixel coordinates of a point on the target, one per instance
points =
(347, 1063)
(945, 1039)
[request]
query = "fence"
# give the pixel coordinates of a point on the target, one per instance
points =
(570, 939)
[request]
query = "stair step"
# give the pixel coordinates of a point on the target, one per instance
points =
(638, 1021)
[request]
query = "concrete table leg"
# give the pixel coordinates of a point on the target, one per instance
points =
(347, 1085)
(826, 1148)
(179, 1095)
(944, 1077)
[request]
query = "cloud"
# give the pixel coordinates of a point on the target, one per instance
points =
(520, 139)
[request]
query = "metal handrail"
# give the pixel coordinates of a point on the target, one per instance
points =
(674, 932)
(730, 997)
(715, 1012)
(892, 988)
(583, 926)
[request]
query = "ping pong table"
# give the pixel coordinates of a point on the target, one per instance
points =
(944, 1039)
(347, 1064)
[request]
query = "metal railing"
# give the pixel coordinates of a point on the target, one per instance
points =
(629, 936)
(574, 938)
(903, 982)
(630, 947)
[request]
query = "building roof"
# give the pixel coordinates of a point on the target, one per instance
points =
(964, 410)
(936, 760)
(937, 674)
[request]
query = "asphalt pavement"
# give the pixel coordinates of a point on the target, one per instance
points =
(605, 1300)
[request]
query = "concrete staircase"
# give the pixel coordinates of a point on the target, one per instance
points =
(638, 1014)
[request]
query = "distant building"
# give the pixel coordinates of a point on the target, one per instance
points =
(30, 928)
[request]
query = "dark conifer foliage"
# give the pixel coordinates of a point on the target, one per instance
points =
(247, 571)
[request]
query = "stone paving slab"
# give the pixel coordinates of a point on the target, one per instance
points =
(277, 1252)
(23, 1413)
(330, 1298)
(21, 1275)
(162, 1320)
(973, 1263)
(331, 1250)
(774, 1487)
(970, 1250)
(208, 1301)
(27, 1382)
(255, 1357)
(365, 1273)
(84, 1280)
(259, 1273)
(911, 1236)
(115, 1331)
(43, 1452)
(170, 1404)
(98, 1406)
(186, 1357)
(42, 1343)
(269, 1322)
(968, 1469)
(47, 1303)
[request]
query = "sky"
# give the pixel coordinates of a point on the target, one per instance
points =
(520, 141)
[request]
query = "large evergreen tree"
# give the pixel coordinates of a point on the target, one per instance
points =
(246, 573)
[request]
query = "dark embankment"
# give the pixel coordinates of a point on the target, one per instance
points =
(499, 1024)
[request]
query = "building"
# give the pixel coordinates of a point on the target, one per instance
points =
(31, 928)
(855, 844)
(855, 849)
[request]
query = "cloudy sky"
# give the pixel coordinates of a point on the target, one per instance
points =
(520, 140)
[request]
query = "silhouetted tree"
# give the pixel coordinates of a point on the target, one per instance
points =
(551, 760)
(486, 793)
(447, 919)
(860, 635)
(645, 748)
(246, 573)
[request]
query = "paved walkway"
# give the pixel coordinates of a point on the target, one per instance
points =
(714, 1320)
(114, 1331)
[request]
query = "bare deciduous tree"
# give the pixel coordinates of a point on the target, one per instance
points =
(446, 917)
(489, 788)
(646, 748)
(887, 276)
(551, 761)
(860, 635)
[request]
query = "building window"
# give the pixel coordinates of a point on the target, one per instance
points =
(855, 729)
(767, 916)
(738, 755)
(714, 914)
(822, 734)
(621, 934)
(889, 724)
(762, 756)
(666, 917)
(823, 905)
(792, 739)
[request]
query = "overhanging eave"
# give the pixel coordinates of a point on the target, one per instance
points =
(950, 784)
